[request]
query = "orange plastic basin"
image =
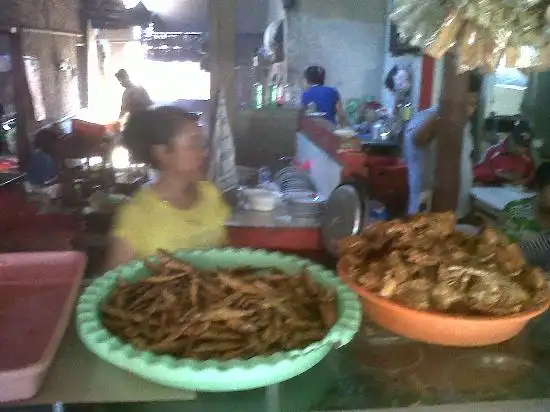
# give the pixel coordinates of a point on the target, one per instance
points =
(438, 328)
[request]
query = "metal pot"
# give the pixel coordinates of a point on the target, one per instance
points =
(344, 215)
(348, 210)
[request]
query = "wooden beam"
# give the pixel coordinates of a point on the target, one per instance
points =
(222, 14)
(449, 136)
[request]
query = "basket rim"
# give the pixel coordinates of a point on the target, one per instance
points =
(104, 344)
(374, 298)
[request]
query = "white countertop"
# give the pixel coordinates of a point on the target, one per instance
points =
(498, 197)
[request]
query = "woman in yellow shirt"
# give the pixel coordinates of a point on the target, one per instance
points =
(178, 211)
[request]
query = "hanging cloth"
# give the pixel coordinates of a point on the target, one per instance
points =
(95, 99)
(222, 167)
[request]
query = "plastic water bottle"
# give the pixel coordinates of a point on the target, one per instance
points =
(264, 176)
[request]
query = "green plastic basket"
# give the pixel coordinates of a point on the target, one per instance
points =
(216, 376)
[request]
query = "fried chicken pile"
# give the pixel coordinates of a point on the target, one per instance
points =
(425, 264)
(223, 314)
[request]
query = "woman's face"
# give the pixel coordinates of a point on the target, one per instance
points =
(186, 154)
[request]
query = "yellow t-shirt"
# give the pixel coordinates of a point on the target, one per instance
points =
(147, 223)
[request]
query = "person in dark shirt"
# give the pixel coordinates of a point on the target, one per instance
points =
(509, 161)
(537, 251)
(135, 98)
(325, 99)
(42, 169)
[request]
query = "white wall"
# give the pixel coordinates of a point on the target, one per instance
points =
(345, 36)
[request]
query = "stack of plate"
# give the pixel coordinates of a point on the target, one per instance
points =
(291, 179)
(304, 204)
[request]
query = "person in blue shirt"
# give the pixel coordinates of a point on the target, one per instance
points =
(42, 169)
(325, 99)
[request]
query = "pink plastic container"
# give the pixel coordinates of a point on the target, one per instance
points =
(32, 232)
(37, 294)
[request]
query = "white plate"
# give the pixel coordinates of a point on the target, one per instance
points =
(316, 114)
(305, 198)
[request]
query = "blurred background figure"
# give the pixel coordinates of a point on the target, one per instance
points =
(537, 251)
(135, 98)
(510, 161)
(320, 98)
(42, 168)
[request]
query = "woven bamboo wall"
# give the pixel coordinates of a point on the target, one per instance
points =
(59, 89)
(44, 14)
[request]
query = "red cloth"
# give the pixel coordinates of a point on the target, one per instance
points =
(499, 158)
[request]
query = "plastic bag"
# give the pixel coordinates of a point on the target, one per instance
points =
(447, 34)
(470, 48)
(492, 29)
(418, 20)
(511, 56)
(479, 50)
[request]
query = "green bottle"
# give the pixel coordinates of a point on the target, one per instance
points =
(258, 95)
(257, 98)
(273, 92)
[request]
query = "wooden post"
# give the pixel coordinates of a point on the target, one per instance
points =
(449, 141)
(25, 121)
(222, 14)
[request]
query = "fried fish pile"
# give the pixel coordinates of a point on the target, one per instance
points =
(425, 264)
(223, 315)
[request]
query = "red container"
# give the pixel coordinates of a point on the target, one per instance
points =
(291, 240)
(12, 202)
(388, 184)
(49, 232)
(37, 294)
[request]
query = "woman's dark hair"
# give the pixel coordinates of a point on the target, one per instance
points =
(389, 82)
(154, 127)
(45, 139)
(521, 133)
(499, 124)
(542, 176)
(315, 75)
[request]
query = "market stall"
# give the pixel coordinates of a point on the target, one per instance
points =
(423, 314)
(378, 370)
(471, 36)
(333, 156)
